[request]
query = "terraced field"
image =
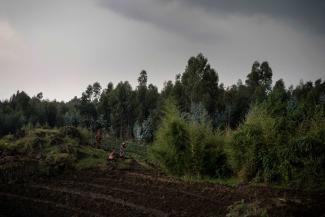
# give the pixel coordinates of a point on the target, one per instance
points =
(137, 192)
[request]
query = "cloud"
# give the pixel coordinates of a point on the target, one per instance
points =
(15, 52)
(302, 14)
(11, 44)
(59, 47)
(19, 63)
(234, 33)
(166, 15)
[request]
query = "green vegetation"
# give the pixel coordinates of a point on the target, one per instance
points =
(264, 149)
(228, 181)
(195, 127)
(90, 158)
(55, 149)
(252, 150)
(188, 148)
(242, 209)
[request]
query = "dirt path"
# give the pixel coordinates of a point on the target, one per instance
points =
(142, 193)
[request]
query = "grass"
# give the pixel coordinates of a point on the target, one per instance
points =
(54, 147)
(138, 151)
(123, 164)
(92, 158)
(232, 181)
(241, 208)
(88, 163)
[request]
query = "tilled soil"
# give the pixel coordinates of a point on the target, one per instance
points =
(135, 193)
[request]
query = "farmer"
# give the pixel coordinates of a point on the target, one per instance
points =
(122, 149)
(111, 156)
(98, 137)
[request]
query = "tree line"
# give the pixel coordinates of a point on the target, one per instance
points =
(254, 129)
(127, 113)
(135, 113)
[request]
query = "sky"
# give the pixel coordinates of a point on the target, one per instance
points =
(58, 47)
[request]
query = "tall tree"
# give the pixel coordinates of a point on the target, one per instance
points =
(200, 83)
(123, 104)
(96, 90)
(141, 92)
(259, 81)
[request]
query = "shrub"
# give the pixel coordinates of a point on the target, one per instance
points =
(207, 154)
(304, 157)
(263, 149)
(242, 208)
(55, 150)
(187, 148)
(171, 149)
(85, 136)
(253, 146)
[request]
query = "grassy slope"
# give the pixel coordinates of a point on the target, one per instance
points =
(54, 147)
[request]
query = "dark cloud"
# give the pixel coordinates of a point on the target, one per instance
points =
(167, 15)
(77, 42)
(303, 14)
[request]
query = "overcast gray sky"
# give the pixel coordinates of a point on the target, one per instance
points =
(60, 46)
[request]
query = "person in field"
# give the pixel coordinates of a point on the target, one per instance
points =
(111, 155)
(122, 149)
(98, 137)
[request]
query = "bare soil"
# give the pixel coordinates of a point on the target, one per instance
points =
(137, 192)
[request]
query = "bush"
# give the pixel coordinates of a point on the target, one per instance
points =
(82, 135)
(10, 122)
(242, 208)
(253, 146)
(207, 154)
(55, 150)
(172, 145)
(262, 149)
(88, 157)
(304, 157)
(187, 148)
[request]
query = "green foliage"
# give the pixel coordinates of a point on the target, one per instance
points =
(72, 118)
(198, 84)
(242, 209)
(144, 131)
(171, 149)
(207, 154)
(259, 81)
(227, 181)
(278, 139)
(253, 146)
(304, 157)
(263, 150)
(90, 158)
(82, 135)
(122, 109)
(85, 135)
(187, 148)
(55, 150)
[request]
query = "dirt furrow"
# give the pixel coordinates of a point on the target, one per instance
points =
(98, 196)
(38, 207)
(96, 202)
(212, 191)
(161, 198)
(133, 193)
(154, 188)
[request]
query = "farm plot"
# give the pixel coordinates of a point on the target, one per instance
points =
(137, 192)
